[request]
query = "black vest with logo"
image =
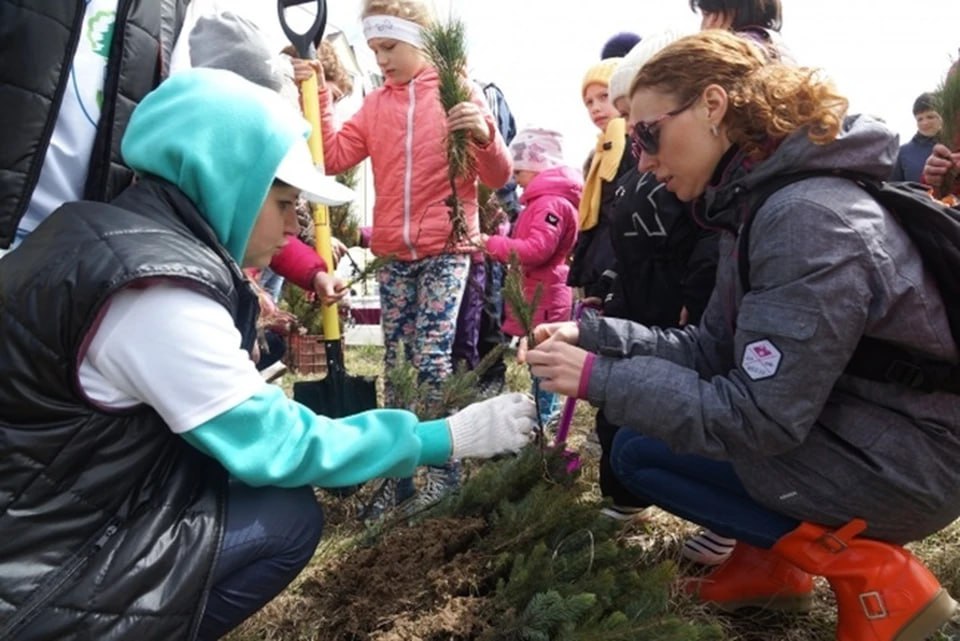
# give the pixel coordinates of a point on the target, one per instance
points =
(110, 524)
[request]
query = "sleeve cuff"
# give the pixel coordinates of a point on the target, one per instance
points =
(435, 443)
(585, 375)
(595, 390)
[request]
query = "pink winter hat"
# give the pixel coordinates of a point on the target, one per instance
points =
(536, 149)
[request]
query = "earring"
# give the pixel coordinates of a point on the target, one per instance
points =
(714, 131)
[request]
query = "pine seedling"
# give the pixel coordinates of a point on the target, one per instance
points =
(523, 310)
(491, 211)
(445, 44)
(463, 387)
(403, 381)
(949, 108)
(304, 308)
(458, 390)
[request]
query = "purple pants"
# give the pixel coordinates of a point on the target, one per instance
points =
(466, 340)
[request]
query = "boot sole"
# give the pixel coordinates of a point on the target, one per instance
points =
(785, 603)
(933, 616)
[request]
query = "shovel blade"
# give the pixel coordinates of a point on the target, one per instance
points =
(337, 398)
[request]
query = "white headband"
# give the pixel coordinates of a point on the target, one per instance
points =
(395, 28)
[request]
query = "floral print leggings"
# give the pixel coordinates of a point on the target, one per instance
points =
(419, 303)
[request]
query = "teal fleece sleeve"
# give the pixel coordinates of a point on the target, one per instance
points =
(271, 440)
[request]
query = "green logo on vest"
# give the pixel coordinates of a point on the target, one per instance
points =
(100, 32)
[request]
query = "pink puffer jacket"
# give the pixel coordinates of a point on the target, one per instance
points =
(402, 129)
(543, 237)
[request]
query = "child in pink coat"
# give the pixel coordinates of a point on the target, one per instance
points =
(544, 234)
(402, 127)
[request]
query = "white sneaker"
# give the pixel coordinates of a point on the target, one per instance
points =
(625, 513)
(707, 548)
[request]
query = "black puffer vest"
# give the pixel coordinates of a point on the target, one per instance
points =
(109, 523)
(37, 44)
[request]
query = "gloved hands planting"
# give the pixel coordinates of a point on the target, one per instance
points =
(500, 424)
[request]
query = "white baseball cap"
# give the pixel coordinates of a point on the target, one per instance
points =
(297, 170)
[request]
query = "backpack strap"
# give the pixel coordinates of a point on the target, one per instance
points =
(878, 360)
(873, 359)
(756, 198)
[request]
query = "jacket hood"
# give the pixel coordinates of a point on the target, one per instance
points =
(565, 182)
(219, 139)
(864, 145)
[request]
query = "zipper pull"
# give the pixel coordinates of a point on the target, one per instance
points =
(110, 531)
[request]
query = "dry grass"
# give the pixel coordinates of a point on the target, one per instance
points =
(660, 538)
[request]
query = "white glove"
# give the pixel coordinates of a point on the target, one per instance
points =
(500, 424)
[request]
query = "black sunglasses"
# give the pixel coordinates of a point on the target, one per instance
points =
(646, 135)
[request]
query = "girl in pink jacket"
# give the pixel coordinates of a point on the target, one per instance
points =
(544, 235)
(401, 127)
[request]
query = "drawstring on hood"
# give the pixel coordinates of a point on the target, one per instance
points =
(219, 139)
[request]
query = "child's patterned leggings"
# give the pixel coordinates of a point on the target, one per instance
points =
(419, 303)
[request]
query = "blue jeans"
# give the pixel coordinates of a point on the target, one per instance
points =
(272, 283)
(270, 535)
(548, 403)
(695, 488)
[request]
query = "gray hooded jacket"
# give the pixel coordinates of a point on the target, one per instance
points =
(760, 382)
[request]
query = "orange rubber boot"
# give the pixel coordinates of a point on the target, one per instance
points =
(883, 592)
(754, 577)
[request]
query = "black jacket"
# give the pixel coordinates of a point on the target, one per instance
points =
(593, 253)
(37, 44)
(664, 260)
(109, 523)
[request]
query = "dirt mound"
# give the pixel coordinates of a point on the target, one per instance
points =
(417, 582)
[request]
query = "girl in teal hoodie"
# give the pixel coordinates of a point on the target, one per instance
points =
(220, 163)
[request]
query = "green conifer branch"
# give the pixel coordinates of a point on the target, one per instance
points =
(445, 44)
(573, 575)
(402, 380)
(490, 210)
(305, 308)
(457, 391)
(463, 386)
(523, 309)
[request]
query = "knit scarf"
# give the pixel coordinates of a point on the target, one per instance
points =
(610, 148)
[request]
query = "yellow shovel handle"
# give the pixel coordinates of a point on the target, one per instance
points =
(321, 215)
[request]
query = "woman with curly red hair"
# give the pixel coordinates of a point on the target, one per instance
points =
(750, 423)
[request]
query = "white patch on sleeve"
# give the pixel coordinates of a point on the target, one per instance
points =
(761, 359)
